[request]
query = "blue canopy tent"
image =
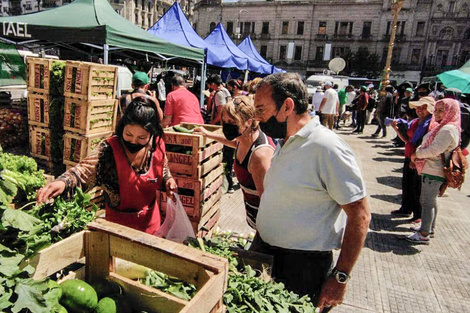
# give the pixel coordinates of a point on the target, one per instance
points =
(220, 41)
(174, 27)
(249, 49)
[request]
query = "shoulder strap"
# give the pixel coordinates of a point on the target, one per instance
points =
(443, 158)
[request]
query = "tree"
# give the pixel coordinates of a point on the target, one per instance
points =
(365, 64)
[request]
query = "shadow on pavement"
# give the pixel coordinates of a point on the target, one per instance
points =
(391, 152)
(397, 170)
(386, 222)
(387, 242)
(391, 181)
(395, 160)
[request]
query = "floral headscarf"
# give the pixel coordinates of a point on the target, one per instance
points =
(452, 117)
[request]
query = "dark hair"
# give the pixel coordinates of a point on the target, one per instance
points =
(235, 83)
(287, 85)
(142, 112)
(390, 89)
(178, 80)
(215, 79)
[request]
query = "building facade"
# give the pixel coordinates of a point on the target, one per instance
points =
(143, 13)
(431, 35)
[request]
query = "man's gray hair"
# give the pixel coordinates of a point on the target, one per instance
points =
(178, 80)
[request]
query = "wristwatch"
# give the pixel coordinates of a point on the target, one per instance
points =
(341, 277)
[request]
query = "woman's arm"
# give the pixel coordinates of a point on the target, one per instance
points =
(218, 137)
(443, 140)
(82, 175)
(259, 165)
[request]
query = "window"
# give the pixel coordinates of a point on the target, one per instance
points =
(211, 26)
(285, 27)
(451, 6)
(343, 28)
(282, 53)
(319, 54)
(400, 28)
(298, 53)
(366, 28)
(300, 28)
(420, 28)
(230, 28)
(264, 51)
(441, 58)
(396, 56)
(322, 28)
(415, 56)
(247, 28)
(340, 51)
(265, 28)
(28, 6)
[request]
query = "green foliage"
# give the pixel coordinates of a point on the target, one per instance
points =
(365, 64)
(174, 286)
(56, 115)
(246, 291)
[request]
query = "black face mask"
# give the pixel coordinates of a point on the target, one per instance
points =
(230, 131)
(133, 147)
(423, 93)
(273, 128)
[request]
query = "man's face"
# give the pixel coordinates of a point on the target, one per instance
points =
(213, 86)
(407, 94)
(264, 104)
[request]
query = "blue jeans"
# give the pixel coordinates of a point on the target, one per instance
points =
(429, 192)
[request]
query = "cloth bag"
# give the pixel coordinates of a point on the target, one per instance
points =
(176, 226)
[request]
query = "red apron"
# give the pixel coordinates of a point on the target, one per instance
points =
(138, 208)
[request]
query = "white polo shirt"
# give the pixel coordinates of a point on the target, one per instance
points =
(311, 175)
(332, 99)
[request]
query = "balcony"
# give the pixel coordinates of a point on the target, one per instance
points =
(365, 37)
(343, 36)
(398, 37)
(264, 36)
(322, 37)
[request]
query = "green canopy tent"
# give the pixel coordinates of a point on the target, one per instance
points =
(93, 23)
(459, 78)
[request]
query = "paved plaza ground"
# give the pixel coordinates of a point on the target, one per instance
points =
(393, 275)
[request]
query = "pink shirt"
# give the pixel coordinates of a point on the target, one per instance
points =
(183, 106)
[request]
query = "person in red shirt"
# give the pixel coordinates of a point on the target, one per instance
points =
(181, 106)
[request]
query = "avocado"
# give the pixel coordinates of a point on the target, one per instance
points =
(78, 296)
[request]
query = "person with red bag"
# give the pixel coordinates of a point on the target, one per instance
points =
(130, 167)
(443, 137)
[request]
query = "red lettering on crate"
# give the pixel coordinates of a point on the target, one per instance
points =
(77, 115)
(186, 200)
(78, 145)
(37, 109)
(37, 75)
(78, 81)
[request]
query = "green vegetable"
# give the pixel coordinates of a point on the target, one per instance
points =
(182, 129)
(78, 296)
(106, 288)
(54, 285)
(62, 309)
(113, 304)
(174, 286)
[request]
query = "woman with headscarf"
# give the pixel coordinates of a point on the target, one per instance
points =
(130, 167)
(442, 138)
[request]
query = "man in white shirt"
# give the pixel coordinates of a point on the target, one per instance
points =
(329, 106)
(313, 184)
(317, 99)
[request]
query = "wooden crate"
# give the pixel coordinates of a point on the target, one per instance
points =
(208, 221)
(201, 201)
(38, 109)
(194, 141)
(39, 74)
(40, 142)
(90, 81)
(105, 242)
(89, 117)
(77, 147)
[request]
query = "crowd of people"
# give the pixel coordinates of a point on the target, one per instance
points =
(303, 190)
(429, 125)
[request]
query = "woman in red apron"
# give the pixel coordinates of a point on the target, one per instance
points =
(130, 167)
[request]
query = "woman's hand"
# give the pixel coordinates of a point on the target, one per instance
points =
(412, 166)
(171, 188)
(201, 130)
(394, 124)
(413, 157)
(50, 191)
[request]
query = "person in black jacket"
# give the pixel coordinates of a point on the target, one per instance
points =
(384, 108)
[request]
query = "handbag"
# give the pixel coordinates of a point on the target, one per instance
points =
(177, 225)
(454, 170)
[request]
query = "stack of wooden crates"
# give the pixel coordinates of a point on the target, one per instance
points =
(195, 162)
(90, 108)
(38, 110)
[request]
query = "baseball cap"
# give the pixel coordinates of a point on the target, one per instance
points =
(429, 101)
(140, 78)
(363, 88)
(410, 90)
(328, 83)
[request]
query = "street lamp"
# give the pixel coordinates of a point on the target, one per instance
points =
(238, 29)
(396, 7)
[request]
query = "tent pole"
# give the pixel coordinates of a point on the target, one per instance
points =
(203, 83)
(105, 53)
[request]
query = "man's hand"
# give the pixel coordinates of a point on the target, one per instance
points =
(332, 294)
